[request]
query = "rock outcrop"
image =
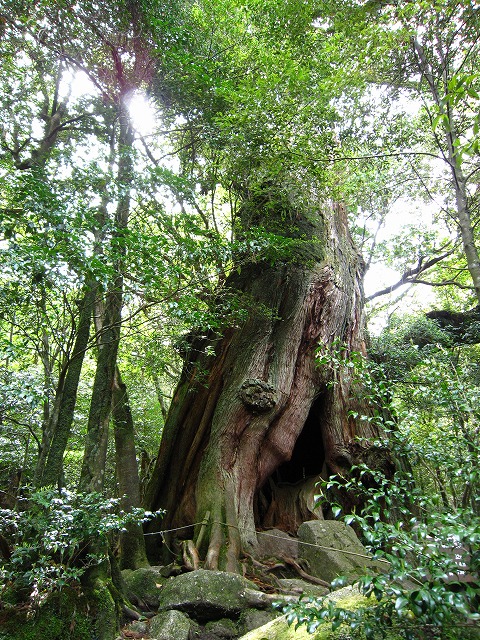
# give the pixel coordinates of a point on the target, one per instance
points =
(207, 595)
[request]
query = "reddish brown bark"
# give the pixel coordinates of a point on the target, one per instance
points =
(236, 416)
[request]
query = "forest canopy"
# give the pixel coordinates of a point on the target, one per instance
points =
(193, 195)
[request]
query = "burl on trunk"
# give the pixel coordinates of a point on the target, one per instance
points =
(253, 425)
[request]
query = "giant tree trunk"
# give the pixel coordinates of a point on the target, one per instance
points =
(230, 438)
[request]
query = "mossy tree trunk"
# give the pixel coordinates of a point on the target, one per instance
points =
(259, 413)
(99, 580)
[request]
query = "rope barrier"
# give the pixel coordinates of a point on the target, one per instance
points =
(307, 544)
(270, 535)
(160, 533)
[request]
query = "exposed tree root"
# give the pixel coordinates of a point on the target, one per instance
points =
(303, 574)
(131, 614)
(191, 559)
(266, 569)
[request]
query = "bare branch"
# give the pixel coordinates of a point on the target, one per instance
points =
(410, 275)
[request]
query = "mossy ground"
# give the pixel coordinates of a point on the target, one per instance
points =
(82, 612)
(61, 617)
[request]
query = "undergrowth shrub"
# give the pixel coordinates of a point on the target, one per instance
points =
(54, 538)
(429, 584)
(424, 531)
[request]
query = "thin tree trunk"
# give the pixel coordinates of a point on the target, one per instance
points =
(50, 463)
(452, 155)
(160, 397)
(441, 488)
(93, 466)
(44, 351)
(132, 544)
(98, 580)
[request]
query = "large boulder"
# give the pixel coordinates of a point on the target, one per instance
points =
(208, 595)
(327, 541)
(136, 629)
(296, 586)
(253, 618)
(224, 629)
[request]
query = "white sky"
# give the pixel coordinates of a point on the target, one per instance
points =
(143, 114)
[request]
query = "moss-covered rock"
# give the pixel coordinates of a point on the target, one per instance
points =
(136, 628)
(143, 586)
(170, 625)
(278, 629)
(302, 587)
(332, 549)
(223, 628)
(253, 618)
(207, 595)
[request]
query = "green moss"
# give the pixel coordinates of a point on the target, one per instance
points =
(143, 584)
(60, 617)
(103, 609)
(69, 614)
(278, 629)
(224, 628)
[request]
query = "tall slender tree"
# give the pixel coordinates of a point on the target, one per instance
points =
(417, 57)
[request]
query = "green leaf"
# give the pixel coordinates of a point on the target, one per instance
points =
(401, 603)
(336, 510)
(336, 623)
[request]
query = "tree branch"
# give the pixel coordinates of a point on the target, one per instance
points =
(409, 276)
